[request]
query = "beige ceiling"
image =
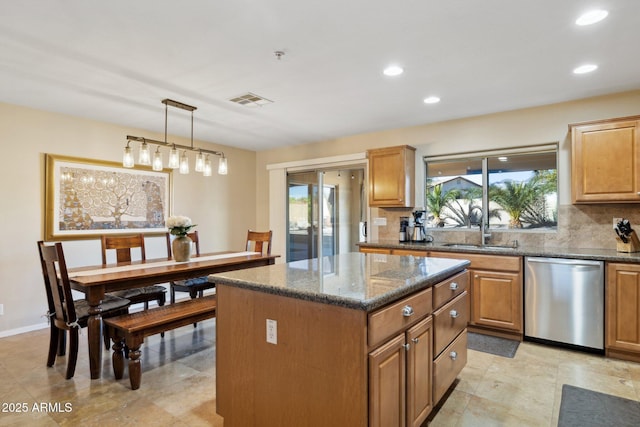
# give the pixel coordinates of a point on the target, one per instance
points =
(116, 60)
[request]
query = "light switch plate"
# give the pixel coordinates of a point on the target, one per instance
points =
(1, 309)
(380, 221)
(272, 331)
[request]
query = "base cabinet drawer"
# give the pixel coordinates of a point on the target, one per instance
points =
(449, 289)
(389, 320)
(448, 365)
(449, 321)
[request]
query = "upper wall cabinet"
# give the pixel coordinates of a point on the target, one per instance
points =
(391, 176)
(605, 161)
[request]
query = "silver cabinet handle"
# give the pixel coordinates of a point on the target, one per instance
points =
(407, 311)
(453, 355)
(453, 286)
(453, 313)
(406, 346)
(415, 340)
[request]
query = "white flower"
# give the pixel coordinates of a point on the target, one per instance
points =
(179, 225)
(178, 221)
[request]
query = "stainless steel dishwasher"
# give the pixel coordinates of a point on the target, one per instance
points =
(564, 301)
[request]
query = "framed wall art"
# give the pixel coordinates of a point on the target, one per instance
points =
(85, 198)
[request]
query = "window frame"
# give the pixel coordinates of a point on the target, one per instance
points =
(483, 156)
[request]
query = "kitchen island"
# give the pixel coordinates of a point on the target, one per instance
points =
(351, 340)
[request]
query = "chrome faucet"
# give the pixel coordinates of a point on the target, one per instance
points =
(485, 236)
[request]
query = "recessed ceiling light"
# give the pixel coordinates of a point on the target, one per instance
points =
(431, 100)
(393, 70)
(592, 17)
(503, 158)
(583, 69)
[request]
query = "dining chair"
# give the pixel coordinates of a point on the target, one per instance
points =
(259, 241)
(65, 313)
(196, 286)
(123, 246)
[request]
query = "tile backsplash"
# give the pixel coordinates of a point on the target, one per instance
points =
(579, 226)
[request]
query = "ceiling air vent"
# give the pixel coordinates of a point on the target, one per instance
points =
(251, 100)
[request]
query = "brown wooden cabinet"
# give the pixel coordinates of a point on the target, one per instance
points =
(400, 374)
(351, 367)
(369, 250)
(605, 161)
(622, 315)
(496, 293)
(497, 299)
(392, 176)
(388, 251)
(450, 318)
(412, 252)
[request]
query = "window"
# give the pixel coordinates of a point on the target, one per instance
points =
(506, 189)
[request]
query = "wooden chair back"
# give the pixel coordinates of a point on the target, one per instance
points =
(122, 245)
(259, 241)
(194, 238)
(56, 279)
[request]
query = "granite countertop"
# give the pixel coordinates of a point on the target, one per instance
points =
(579, 253)
(353, 280)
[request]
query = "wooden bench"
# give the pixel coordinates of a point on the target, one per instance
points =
(131, 329)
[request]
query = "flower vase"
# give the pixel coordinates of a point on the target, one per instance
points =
(181, 247)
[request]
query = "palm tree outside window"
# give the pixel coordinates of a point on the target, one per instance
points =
(521, 186)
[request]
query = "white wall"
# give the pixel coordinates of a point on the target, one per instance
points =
(222, 206)
(500, 130)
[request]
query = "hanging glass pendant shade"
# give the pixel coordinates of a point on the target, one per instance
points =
(184, 163)
(127, 157)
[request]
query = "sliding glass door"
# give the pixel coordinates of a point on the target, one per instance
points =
(323, 222)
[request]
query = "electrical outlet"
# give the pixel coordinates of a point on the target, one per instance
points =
(1, 309)
(616, 221)
(272, 331)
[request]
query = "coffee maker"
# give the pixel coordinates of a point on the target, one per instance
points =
(404, 229)
(419, 234)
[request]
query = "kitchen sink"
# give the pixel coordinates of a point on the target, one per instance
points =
(473, 246)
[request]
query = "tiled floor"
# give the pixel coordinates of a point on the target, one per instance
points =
(526, 390)
(178, 385)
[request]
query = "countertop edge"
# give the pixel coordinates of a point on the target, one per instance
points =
(580, 253)
(368, 305)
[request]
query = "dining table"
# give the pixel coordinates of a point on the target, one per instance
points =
(95, 281)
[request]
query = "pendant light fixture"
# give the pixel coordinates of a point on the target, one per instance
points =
(157, 160)
(144, 158)
(199, 167)
(127, 157)
(174, 158)
(184, 163)
(176, 161)
(206, 171)
(222, 165)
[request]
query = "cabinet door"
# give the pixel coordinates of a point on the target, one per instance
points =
(623, 307)
(606, 150)
(497, 299)
(387, 384)
(391, 176)
(419, 372)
